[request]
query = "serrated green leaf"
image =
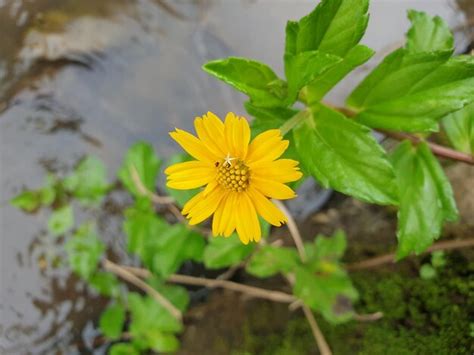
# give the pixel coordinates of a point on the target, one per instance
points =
(268, 118)
(123, 349)
(426, 198)
(84, 250)
(28, 201)
(105, 283)
(412, 91)
(88, 182)
(331, 249)
(181, 196)
(111, 321)
(270, 260)
(251, 77)
(61, 220)
(222, 252)
(428, 34)
(331, 295)
(334, 27)
(141, 157)
(358, 55)
(343, 155)
(302, 68)
(459, 127)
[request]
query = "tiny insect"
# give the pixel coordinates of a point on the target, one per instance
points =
(216, 164)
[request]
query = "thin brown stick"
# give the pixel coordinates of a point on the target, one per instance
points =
(439, 150)
(142, 189)
(294, 231)
(390, 258)
(125, 274)
(276, 296)
(371, 317)
(318, 335)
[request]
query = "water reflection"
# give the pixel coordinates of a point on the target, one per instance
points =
(93, 77)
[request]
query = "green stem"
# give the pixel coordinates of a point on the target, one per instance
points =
(294, 121)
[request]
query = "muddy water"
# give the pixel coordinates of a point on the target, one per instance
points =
(92, 77)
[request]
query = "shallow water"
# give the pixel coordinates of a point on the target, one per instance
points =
(90, 77)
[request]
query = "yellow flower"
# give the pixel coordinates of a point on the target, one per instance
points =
(239, 176)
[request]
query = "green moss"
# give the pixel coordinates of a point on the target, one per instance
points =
(420, 317)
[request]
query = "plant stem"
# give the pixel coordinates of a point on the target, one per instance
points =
(125, 274)
(318, 335)
(275, 296)
(293, 228)
(390, 258)
(294, 121)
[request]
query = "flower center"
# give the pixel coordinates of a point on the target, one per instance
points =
(233, 175)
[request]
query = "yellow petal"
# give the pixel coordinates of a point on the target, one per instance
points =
(192, 202)
(207, 206)
(272, 189)
(266, 208)
(281, 170)
(190, 175)
(247, 223)
(267, 146)
(193, 146)
(211, 134)
(237, 135)
(223, 222)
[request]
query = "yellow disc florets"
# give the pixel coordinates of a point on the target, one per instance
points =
(233, 175)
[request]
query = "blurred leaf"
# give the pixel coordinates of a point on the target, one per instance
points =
(28, 201)
(61, 220)
(358, 55)
(438, 259)
(151, 324)
(459, 127)
(48, 192)
(426, 198)
(428, 34)
(269, 260)
(331, 295)
(221, 252)
(181, 196)
(334, 27)
(88, 182)
(343, 155)
(427, 272)
(105, 283)
(251, 77)
(84, 250)
(123, 349)
(177, 295)
(140, 156)
(112, 320)
(330, 249)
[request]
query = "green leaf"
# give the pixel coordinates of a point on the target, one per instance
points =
(105, 283)
(438, 259)
(112, 320)
(330, 249)
(330, 295)
(28, 201)
(412, 91)
(175, 245)
(123, 349)
(221, 252)
(427, 272)
(268, 118)
(428, 34)
(426, 198)
(302, 68)
(88, 182)
(61, 220)
(181, 196)
(84, 250)
(343, 155)
(177, 295)
(140, 156)
(334, 27)
(358, 55)
(459, 127)
(253, 78)
(270, 260)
